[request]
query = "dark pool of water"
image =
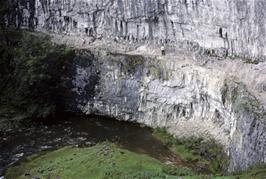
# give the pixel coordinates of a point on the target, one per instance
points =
(69, 129)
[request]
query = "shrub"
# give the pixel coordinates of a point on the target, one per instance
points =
(30, 73)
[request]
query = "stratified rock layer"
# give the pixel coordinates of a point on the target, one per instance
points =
(187, 99)
(227, 27)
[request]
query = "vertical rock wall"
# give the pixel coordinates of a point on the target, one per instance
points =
(225, 26)
(188, 100)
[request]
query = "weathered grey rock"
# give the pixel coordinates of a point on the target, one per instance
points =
(188, 100)
(227, 27)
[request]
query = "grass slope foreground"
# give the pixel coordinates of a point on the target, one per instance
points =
(102, 161)
(106, 161)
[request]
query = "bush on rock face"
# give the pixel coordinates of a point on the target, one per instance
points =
(31, 68)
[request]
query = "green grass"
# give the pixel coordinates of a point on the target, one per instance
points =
(101, 161)
(255, 172)
(107, 161)
(175, 146)
(206, 156)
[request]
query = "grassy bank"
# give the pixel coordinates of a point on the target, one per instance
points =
(101, 161)
(206, 156)
(107, 161)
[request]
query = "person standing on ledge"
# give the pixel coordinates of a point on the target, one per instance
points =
(163, 50)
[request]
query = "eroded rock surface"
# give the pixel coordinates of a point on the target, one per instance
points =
(188, 94)
(226, 27)
(187, 99)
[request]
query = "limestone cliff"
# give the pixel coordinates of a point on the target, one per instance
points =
(187, 93)
(227, 27)
(187, 99)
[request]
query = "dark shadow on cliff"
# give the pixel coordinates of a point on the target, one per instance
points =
(31, 74)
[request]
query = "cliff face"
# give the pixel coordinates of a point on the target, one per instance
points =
(188, 100)
(227, 27)
(210, 98)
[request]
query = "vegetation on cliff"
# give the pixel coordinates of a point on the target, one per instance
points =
(242, 100)
(31, 68)
(30, 84)
(204, 155)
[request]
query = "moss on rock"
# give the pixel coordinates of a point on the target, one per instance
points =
(242, 100)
